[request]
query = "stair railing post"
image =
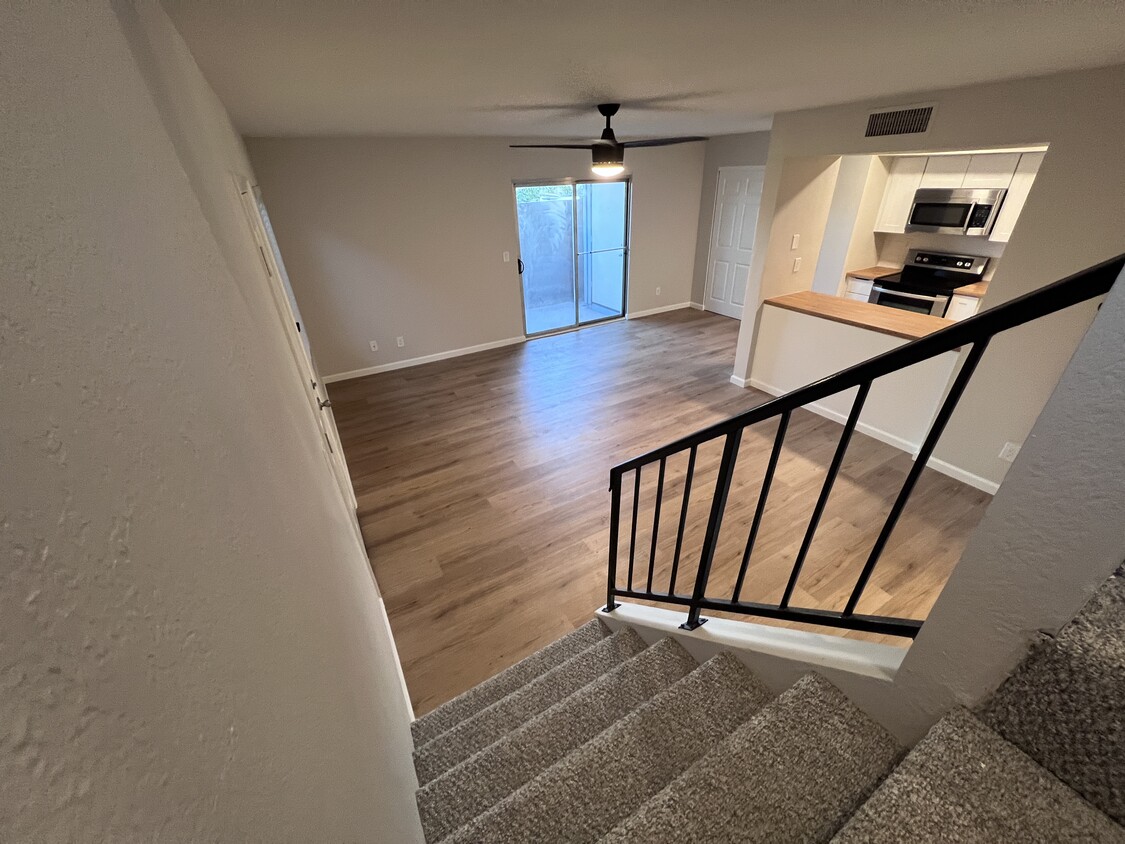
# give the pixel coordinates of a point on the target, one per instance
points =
(614, 528)
(714, 523)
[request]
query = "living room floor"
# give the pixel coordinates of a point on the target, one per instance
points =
(482, 489)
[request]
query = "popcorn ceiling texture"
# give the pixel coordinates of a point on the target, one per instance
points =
(171, 537)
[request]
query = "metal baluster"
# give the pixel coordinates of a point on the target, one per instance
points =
(683, 521)
(656, 523)
(825, 491)
(614, 528)
(633, 531)
(924, 453)
(782, 424)
(714, 522)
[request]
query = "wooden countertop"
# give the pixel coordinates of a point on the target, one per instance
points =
(872, 273)
(976, 290)
(897, 323)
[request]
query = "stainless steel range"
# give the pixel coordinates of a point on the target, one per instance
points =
(927, 281)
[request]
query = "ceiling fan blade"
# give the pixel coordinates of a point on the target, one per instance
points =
(662, 142)
(548, 146)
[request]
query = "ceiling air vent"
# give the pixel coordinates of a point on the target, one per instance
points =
(898, 121)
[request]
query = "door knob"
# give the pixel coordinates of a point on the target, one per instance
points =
(323, 403)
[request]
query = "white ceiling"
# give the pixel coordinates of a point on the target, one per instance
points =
(489, 67)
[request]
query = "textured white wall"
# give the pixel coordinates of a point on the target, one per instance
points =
(191, 644)
(389, 237)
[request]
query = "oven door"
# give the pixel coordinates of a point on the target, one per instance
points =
(921, 303)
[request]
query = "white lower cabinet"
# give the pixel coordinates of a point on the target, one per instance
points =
(962, 307)
(857, 287)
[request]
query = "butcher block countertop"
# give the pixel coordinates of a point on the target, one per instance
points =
(893, 321)
(872, 273)
(976, 290)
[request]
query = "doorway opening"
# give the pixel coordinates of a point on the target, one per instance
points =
(574, 252)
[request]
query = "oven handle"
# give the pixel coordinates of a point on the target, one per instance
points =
(932, 298)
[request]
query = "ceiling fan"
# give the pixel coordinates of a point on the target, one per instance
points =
(608, 152)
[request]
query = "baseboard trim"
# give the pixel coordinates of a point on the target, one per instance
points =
(405, 364)
(955, 472)
(398, 662)
(663, 309)
(966, 477)
(741, 382)
(698, 306)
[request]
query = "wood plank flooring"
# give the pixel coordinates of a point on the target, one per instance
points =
(482, 488)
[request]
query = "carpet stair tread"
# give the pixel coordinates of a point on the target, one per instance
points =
(450, 713)
(596, 786)
(478, 783)
(794, 772)
(963, 782)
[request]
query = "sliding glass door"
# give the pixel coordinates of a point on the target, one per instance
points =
(573, 253)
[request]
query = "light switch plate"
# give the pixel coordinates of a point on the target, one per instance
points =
(1009, 451)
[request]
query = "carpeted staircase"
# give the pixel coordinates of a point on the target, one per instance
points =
(600, 738)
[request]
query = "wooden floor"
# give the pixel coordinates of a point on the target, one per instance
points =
(482, 488)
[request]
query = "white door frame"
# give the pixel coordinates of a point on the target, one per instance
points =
(297, 339)
(708, 276)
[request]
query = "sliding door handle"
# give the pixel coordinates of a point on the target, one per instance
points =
(519, 265)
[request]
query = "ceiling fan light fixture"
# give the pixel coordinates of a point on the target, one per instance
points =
(608, 169)
(609, 159)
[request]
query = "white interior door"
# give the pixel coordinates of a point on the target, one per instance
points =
(297, 335)
(737, 200)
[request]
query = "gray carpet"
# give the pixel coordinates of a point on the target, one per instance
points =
(452, 712)
(509, 713)
(964, 783)
(463, 792)
(794, 772)
(595, 787)
(1064, 704)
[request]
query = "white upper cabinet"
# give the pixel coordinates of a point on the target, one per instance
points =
(1018, 190)
(988, 170)
(898, 196)
(991, 171)
(945, 171)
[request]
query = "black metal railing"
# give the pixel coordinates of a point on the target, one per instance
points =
(975, 332)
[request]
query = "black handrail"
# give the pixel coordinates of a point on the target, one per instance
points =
(975, 332)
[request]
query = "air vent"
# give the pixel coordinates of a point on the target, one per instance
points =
(898, 121)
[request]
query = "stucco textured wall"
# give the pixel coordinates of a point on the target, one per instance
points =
(191, 645)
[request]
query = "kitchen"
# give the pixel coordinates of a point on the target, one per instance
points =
(906, 245)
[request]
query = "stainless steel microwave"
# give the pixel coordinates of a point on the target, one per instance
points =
(955, 211)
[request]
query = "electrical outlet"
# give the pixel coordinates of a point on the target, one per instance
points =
(795, 242)
(507, 257)
(1009, 451)
(796, 264)
(400, 342)
(374, 346)
(658, 291)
